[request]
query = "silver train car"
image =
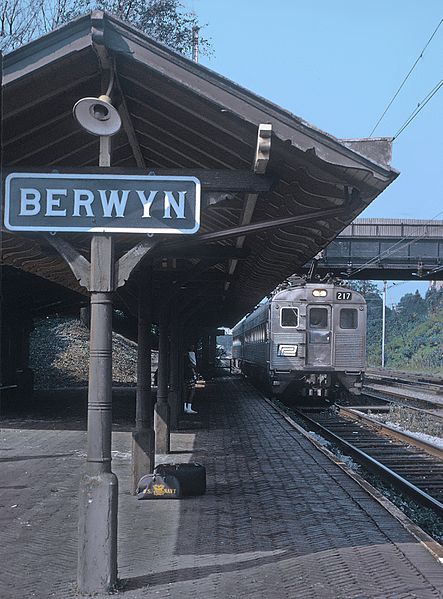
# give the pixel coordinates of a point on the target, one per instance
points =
(309, 339)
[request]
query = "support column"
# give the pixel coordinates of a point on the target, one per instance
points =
(98, 502)
(204, 366)
(174, 402)
(212, 353)
(181, 390)
(143, 438)
(85, 316)
(162, 411)
(21, 340)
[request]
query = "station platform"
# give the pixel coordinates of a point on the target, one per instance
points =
(279, 518)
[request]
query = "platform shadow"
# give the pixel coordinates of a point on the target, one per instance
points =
(200, 572)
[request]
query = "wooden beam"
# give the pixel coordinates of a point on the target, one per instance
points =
(259, 166)
(266, 225)
(212, 180)
(262, 149)
(205, 253)
(128, 126)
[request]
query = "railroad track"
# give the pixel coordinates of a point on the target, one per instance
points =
(412, 466)
(378, 402)
(416, 391)
(407, 379)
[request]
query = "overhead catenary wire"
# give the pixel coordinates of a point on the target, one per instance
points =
(420, 56)
(420, 107)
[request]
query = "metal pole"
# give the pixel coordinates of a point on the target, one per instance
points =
(98, 503)
(195, 35)
(162, 410)
(383, 332)
(143, 438)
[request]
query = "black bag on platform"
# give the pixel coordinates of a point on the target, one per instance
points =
(192, 476)
(159, 486)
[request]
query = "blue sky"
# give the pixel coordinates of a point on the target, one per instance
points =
(336, 64)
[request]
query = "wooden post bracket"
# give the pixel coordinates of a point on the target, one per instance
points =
(129, 261)
(84, 271)
(76, 262)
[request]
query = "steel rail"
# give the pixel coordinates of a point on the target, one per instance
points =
(353, 414)
(396, 397)
(399, 481)
(434, 383)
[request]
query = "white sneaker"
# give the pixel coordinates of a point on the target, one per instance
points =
(191, 411)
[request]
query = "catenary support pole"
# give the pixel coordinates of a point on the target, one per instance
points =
(98, 501)
(162, 411)
(143, 438)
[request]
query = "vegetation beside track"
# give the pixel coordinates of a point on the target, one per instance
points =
(414, 330)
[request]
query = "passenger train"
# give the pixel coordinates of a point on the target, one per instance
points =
(309, 339)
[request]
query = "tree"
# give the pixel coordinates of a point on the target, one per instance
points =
(167, 21)
(374, 301)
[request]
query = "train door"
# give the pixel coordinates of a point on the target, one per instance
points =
(319, 337)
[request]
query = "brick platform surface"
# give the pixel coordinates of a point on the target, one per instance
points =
(279, 520)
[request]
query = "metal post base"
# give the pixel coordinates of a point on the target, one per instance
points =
(162, 427)
(97, 528)
(143, 455)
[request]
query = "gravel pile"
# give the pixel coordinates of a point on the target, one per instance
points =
(59, 354)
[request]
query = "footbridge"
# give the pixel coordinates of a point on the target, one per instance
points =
(380, 249)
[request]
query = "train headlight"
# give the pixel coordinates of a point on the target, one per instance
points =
(319, 292)
(287, 351)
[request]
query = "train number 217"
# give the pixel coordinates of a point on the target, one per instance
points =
(344, 295)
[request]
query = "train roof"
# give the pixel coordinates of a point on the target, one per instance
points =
(302, 290)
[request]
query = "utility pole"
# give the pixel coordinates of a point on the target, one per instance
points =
(383, 332)
(195, 31)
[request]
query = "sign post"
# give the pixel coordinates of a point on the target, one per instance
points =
(98, 501)
(103, 205)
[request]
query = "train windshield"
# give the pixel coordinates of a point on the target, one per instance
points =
(289, 317)
(318, 318)
(348, 318)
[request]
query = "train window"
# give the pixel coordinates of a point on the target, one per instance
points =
(318, 318)
(289, 317)
(348, 318)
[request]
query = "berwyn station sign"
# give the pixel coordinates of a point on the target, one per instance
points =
(102, 203)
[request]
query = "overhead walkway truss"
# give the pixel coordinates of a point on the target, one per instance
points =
(381, 249)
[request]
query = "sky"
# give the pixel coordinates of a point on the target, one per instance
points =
(337, 64)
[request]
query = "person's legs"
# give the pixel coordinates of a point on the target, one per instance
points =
(190, 400)
(188, 405)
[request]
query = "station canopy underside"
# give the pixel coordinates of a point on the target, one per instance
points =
(179, 115)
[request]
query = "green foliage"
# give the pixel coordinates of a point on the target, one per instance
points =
(374, 301)
(414, 330)
(166, 21)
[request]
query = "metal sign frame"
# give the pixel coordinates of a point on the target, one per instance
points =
(104, 229)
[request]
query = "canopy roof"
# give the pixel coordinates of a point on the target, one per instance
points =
(176, 115)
